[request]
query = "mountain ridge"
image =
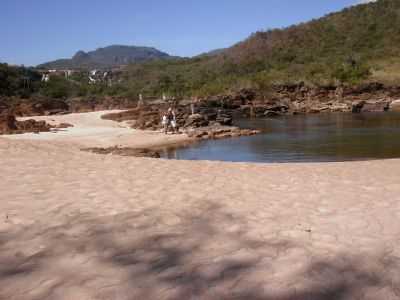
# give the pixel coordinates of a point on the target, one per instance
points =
(106, 57)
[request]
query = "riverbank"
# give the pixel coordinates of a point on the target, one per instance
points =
(276, 100)
(78, 225)
(96, 131)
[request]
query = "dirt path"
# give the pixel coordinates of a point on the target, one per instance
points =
(76, 225)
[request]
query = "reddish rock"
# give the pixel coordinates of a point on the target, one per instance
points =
(220, 132)
(124, 151)
(7, 123)
(370, 106)
(63, 125)
(32, 126)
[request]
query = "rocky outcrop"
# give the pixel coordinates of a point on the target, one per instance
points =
(196, 120)
(207, 123)
(124, 151)
(279, 100)
(9, 125)
(63, 125)
(145, 117)
(370, 106)
(301, 99)
(33, 107)
(149, 117)
(219, 132)
(45, 106)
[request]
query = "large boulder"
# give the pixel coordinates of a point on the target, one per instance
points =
(277, 107)
(339, 107)
(196, 120)
(225, 120)
(145, 118)
(375, 106)
(39, 107)
(271, 113)
(8, 123)
(32, 126)
(357, 106)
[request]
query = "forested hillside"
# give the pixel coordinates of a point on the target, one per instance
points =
(357, 44)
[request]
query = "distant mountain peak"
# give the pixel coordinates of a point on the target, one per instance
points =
(106, 57)
(80, 55)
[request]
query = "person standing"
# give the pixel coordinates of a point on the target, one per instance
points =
(173, 122)
(164, 123)
(170, 121)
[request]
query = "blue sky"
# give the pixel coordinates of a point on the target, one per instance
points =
(36, 31)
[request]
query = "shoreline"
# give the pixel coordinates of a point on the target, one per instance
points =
(91, 130)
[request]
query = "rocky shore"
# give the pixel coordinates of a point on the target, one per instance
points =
(278, 99)
(206, 123)
(124, 151)
(213, 115)
(300, 99)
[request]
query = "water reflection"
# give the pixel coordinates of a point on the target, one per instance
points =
(312, 138)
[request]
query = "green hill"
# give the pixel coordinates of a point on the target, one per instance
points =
(357, 44)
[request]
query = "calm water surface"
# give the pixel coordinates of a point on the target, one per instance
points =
(311, 138)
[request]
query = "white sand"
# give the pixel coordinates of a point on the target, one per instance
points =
(76, 225)
(91, 131)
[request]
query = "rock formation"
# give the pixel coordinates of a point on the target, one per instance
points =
(124, 151)
(9, 125)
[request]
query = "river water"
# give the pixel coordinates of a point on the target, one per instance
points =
(304, 138)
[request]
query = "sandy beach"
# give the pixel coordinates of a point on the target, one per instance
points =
(76, 225)
(89, 130)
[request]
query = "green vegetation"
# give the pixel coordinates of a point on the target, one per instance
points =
(26, 82)
(348, 47)
(360, 43)
(18, 81)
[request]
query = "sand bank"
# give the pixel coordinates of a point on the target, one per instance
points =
(91, 131)
(76, 225)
